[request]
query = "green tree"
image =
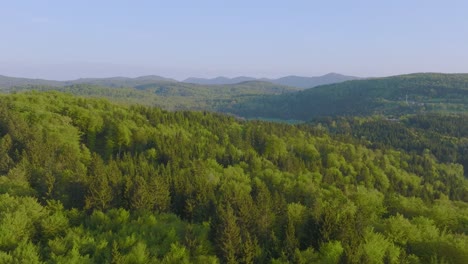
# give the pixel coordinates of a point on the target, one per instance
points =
(228, 235)
(99, 194)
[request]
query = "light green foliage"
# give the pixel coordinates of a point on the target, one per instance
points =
(137, 255)
(330, 253)
(26, 252)
(370, 204)
(18, 219)
(378, 249)
(88, 181)
(177, 254)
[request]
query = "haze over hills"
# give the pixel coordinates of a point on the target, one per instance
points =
(219, 80)
(121, 81)
(310, 82)
(292, 80)
(8, 82)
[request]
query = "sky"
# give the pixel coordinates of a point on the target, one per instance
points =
(178, 39)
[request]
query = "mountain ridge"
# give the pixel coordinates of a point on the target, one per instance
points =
(121, 81)
(116, 81)
(290, 80)
(218, 80)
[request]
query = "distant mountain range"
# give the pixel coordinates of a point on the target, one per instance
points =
(293, 81)
(218, 80)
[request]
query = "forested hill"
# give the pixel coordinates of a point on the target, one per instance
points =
(292, 80)
(88, 181)
(171, 95)
(298, 82)
(397, 95)
(121, 81)
(7, 82)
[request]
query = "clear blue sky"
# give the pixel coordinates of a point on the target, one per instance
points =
(99, 38)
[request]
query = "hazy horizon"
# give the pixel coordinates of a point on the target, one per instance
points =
(183, 78)
(180, 39)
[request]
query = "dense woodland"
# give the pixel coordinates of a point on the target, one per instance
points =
(169, 95)
(443, 135)
(396, 95)
(89, 181)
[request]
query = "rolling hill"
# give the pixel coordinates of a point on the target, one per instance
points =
(218, 80)
(8, 82)
(310, 82)
(396, 95)
(121, 81)
(292, 80)
(390, 96)
(169, 95)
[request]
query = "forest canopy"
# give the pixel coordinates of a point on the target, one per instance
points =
(89, 181)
